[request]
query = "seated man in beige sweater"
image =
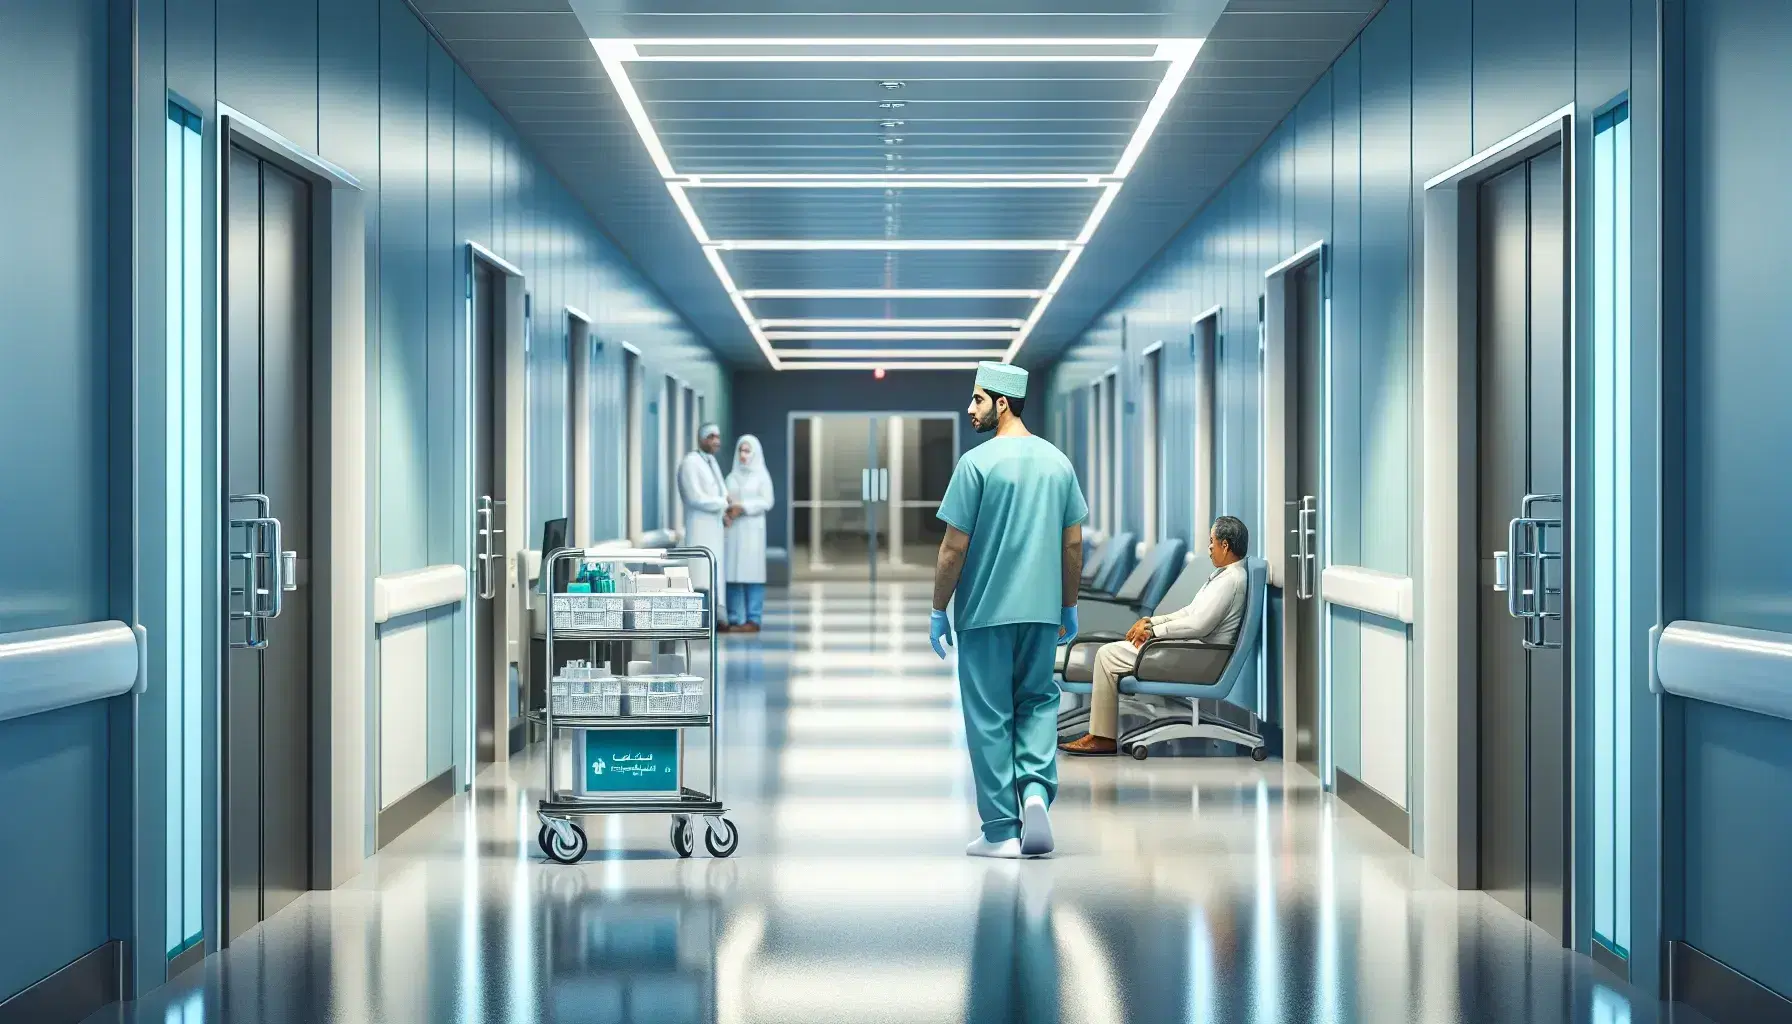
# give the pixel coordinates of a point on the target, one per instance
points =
(1214, 617)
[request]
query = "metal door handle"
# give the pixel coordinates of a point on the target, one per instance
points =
(1502, 570)
(883, 485)
(1529, 588)
(483, 555)
(864, 485)
(289, 570)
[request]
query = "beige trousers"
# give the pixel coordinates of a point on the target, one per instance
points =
(1111, 662)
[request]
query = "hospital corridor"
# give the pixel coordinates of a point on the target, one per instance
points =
(879, 511)
(1186, 889)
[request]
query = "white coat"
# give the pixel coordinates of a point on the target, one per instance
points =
(705, 497)
(751, 488)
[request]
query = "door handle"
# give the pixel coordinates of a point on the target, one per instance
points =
(865, 485)
(883, 485)
(483, 555)
(1533, 591)
(1306, 547)
(1502, 571)
(289, 570)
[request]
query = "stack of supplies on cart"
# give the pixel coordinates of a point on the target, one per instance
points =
(585, 690)
(666, 601)
(661, 687)
(588, 611)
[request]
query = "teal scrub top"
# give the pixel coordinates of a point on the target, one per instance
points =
(1015, 497)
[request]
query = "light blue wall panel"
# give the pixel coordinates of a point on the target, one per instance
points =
(1523, 63)
(403, 340)
(1737, 766)
(56, 440)
(268, 64)
(1385, 351)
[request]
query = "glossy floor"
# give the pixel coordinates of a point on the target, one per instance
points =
(1186, 889)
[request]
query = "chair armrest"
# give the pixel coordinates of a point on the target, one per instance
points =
(1086, 638)
(1091, 593)
(1082, 670)
(1182, 661)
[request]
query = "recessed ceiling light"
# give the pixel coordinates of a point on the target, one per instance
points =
(893, 141)
(892, 124)
(892, 84)
(892, 105)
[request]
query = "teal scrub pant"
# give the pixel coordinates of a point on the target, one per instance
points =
(1010, 705)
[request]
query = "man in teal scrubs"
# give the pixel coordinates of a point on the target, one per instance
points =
(1012, 557)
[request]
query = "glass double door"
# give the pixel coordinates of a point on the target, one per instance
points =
(866, 492)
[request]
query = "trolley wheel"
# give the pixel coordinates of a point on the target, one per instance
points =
(1259, 753)
(684, 837)
(543, 838)
(1139, 752)
(564, 852)
(724, 844)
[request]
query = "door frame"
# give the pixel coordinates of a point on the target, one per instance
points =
(344, 403)
(514, 398)
(582, 355)
(1280, 467)
(1448, 580)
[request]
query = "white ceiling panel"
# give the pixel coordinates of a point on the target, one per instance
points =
(989, 99)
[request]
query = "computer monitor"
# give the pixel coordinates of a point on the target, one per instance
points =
(553, 538)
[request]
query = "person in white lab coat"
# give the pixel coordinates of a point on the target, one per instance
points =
(750, 489)
(707, 512)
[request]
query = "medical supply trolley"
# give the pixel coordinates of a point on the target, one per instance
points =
(625, 734)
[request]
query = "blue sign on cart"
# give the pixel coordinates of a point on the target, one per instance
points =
(631, 761)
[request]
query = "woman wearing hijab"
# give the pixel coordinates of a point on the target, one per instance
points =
(749, 489)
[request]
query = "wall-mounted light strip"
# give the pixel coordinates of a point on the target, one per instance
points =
(892, 324)
(890, 293)
(892, 244)
(1177, 54)
(890, 335)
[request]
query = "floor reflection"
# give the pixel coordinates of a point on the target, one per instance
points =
(1206, 890)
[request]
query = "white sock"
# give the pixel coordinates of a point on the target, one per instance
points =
(1007, 849)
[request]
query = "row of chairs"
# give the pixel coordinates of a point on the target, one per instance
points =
(1169, 673)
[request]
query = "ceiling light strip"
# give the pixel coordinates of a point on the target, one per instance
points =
(967, 365)
(891, 335)
(890, 293)
(891, 323)
(789, 356)
(892, 244)
(1178, 53)
(886, 181)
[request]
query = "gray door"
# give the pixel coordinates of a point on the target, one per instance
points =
(1306, 327)
(488, 492)
(1522, 446)
(268, 473)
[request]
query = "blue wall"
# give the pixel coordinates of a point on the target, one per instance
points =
(58, 551)
(1428, 84)
(363, 85)
(1729, 484)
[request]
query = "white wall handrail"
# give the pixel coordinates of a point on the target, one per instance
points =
(1386, 594)
(416, 590)
(47, 669)
(1750, 669)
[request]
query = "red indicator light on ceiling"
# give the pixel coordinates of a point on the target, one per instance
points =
(878, 373)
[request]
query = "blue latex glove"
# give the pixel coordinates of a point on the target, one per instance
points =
(1067, 632)
(938, 629)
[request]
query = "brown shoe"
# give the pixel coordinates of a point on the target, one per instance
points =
(723, 627)
(751, 627)
(1090, 745)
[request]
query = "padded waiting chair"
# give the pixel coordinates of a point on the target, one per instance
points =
(1103, 622)
(1192, 671)
(1148, 582)
(1094, 556)
(1114, 570)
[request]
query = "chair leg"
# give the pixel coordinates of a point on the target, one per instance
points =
(1190, 726)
